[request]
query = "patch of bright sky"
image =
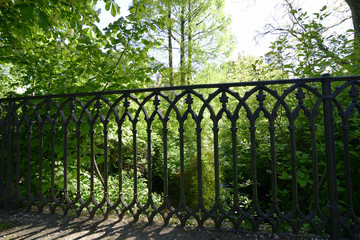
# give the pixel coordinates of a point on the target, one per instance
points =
(248, 18)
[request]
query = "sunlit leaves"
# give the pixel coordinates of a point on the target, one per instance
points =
(57, 48)
(308, 48)
(113, 7)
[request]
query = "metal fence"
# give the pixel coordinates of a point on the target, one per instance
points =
(281, 156)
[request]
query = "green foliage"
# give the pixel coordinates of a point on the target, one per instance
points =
(57, 48)
(193, 32)
(309, 48)
(208, 180)
(243, 69)
(53, 50)
(127, 189)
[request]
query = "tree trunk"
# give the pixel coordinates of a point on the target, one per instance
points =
(182, 45)
(189, 67)
(170, 49)
(355, 12)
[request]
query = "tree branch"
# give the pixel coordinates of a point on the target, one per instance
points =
(123, 52)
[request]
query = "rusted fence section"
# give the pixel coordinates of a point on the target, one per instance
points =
(281, 156)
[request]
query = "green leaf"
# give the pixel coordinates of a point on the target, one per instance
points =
(120, 70)
(132, 10)
(354, 154)
(107, 6)
(58, 149)
(79, 47)
(253, 66)
(300, 174)
(284, 175)
(323, 8)
(143, 55)
(59, 172)
(60, 154)
(113, 10)
(85, 159)
(27, 12)
(89, 32)
(168, 22)
(145, 42)
(100, 159)
(43, 20)
(302, 183)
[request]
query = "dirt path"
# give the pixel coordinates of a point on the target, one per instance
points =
(33, 225)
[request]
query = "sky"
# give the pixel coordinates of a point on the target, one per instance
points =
(248, 18)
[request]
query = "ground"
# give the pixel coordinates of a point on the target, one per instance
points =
(34, 225)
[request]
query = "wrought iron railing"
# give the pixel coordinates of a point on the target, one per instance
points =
(282, 156)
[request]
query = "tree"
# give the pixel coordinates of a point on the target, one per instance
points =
(30, 30)
(195, 31)
(355, 14)
(55, 47)
(307, 47)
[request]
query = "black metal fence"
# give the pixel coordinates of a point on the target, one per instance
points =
(281, 156)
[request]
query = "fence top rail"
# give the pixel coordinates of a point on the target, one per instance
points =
(199, 86)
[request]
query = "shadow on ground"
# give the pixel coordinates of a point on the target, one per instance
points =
(33, 225)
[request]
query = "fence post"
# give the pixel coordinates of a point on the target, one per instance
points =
(9, 157)
(333, 207)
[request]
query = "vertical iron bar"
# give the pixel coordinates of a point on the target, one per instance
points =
(166, 183)
(2, 159)
(234, 160)
(334, 210)
(182, 168)
(28, 174)
(9, 157)
(92, 161)
(199, 166)
(135, 160)
(273, 166)
(120, 163)
(17, 163)
(295, 198)
(217, 171)
(255, 202)
(149, 130)
(66, 161)
(236, 204)
(52, 187)
(106, 162)
(41, 141)
(78, 156)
